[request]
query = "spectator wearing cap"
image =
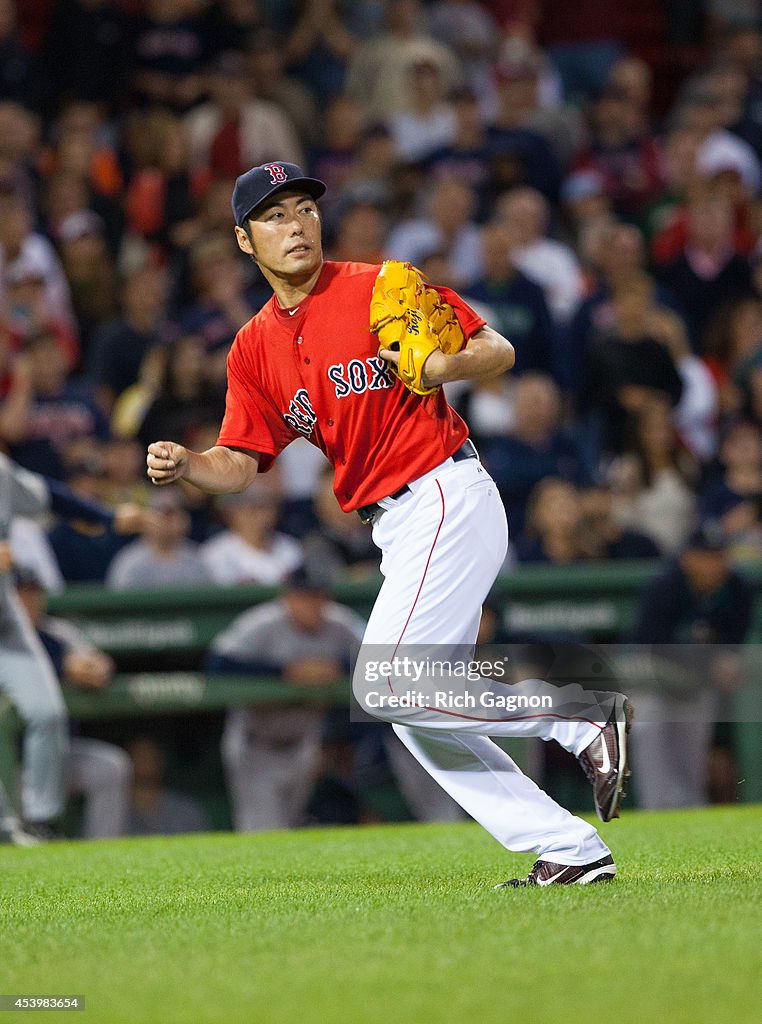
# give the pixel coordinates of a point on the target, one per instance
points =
(250, 549)
(584, 204)
(271, 751)
(24, 252)
(164, 556)
(234, 129)
(89, 270)
(701, 607)
(44, 411)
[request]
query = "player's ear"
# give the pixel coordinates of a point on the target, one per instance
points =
(245, 243)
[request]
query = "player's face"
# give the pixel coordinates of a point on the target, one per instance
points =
(285, 237)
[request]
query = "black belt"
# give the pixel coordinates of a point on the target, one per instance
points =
(370, 514)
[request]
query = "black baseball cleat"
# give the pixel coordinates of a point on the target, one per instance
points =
(604, 761)
(545, 872)
(43, 831)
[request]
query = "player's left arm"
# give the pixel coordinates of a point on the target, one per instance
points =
(486, 354)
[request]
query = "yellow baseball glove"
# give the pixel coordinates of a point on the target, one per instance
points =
(412, 319)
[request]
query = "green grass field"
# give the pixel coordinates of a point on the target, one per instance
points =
(389, 924)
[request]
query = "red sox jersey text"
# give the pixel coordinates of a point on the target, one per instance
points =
(314, 372)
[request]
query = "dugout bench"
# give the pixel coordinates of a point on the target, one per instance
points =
(159, 636)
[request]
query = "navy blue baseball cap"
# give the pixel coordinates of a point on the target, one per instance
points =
(258, 184)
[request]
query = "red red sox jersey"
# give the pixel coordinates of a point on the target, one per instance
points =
(313, 371)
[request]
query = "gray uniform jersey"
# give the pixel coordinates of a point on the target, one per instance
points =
(21, 494)
(267, 634)
(26, 674)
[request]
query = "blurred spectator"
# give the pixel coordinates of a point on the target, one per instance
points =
(332, 159)
(22, 79)
(319, 44)
(628, 366)
(84, 549)
(622, 151)
(164, 556)
(427, 122)
(708, 272)
(87, 49)
(470, 30)
(465, 156)
(654, 483)
(584, 204)
(186, 398)
(535, 448)
(515, 304)
(339, 545)
(89, 271)
(552, 524)
(603, 535)
(124, 469)
(522, 102)
(448, 228)
(301, 466)
(44, 411)
(265, 63)
(82, 142)
(161, 191)
(525, 214)
(19, 150)
(520, 153)
(378, 69)
(219, 303)
(733, 348)
(615, 256)
(98, 771)
(250, 550)
(234, 130)
(271, 751)
(156, 810)
(732, 489)
(25, 253)
(583, 43)
(229, 22)
(117, 348)
(360, 234)
(168, 54)
(701, 606)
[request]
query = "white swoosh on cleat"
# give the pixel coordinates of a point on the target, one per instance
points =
(605, 766)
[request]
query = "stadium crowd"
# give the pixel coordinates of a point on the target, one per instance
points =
(606, 221)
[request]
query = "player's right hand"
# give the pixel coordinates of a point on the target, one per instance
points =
(166, 461)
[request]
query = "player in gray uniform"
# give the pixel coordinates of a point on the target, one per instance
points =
(27, 677)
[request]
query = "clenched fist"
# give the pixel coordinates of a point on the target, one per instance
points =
(166, 461)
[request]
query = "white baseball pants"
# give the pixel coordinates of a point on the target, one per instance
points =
(443, 545)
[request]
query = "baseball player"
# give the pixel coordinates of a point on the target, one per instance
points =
(353, 357)
(27, 676)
